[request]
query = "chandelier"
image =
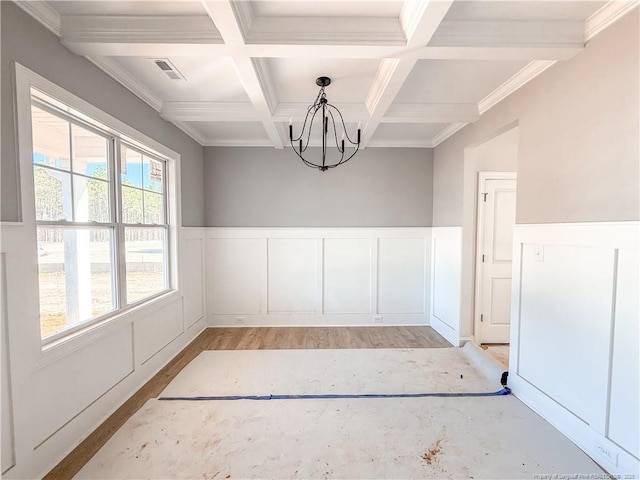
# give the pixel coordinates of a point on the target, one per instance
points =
(332, 126)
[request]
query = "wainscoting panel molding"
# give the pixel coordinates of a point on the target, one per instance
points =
(446, 248)
(318, 276)
(60, 398)
(574, 337)
(193, 274)
(234, 275)
(348, 281)
(292, 275)
(402, 262)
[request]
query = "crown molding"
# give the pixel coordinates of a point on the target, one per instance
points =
(43, 13)
(446, 133)
(208, 112)
(524, 76)
(605, 16)
(191, 131)
(400, 144)
(210, 142)
(119, 74)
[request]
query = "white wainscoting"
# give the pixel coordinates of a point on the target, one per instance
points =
(193, 277)
(318, 276)
(446, 251)
(60, 394)
(7, 454)
(574, 338)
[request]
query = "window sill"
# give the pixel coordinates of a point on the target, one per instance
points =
(57, 348)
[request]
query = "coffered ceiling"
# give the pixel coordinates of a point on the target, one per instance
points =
(413, 72)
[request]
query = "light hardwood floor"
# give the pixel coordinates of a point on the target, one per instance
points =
(245, 339)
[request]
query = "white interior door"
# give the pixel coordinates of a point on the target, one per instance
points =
(496, 219)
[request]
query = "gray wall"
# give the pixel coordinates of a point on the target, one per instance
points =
(578, 138)
(264, 187)
(25, 41)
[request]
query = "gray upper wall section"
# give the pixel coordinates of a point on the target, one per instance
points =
(578, 138)
(27, 42)
(265, 187)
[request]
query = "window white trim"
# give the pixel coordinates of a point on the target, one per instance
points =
(25, 80)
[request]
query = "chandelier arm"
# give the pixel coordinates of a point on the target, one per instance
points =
(310, 128)
(325, 128)
(306, 162)
(306, 118)
(341, 162)
(335, 133)
(345, 127)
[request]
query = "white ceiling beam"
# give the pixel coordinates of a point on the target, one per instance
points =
(139, 29)
(511, 33)
(297, 110)
(221, 13)
(431, 113)
(238, 112)
(325, 31)
(208, 112)
(253, 73)
(523, 52)
(420, 23)
(100, 47)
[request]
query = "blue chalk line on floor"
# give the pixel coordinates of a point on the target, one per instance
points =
(499, 393)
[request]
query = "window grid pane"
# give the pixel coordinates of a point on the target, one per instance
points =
(132, 205)
(142, 188)
(90, 153)
(76, 276)
(53, 194)
(74, 168)
(145, 251)
(92, 199)
(51, 145)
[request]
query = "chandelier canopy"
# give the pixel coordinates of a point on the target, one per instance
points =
(332, 126)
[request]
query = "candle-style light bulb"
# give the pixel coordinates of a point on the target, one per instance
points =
(290, 120)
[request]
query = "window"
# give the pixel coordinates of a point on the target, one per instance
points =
(101, 217)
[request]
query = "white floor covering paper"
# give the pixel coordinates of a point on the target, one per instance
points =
(486, 437)
(264, 372)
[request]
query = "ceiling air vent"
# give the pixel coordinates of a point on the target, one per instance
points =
(168, 68)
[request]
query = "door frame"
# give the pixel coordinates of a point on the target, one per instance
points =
(482, 178)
